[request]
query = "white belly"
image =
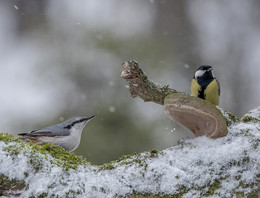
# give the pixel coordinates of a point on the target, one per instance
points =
(70, 142)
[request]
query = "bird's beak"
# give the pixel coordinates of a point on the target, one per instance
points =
(209, 69)
(89, 118)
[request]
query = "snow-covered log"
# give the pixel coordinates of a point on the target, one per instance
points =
(199, 167)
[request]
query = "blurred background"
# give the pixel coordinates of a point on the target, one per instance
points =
(63, 58)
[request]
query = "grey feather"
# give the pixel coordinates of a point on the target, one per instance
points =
(61, 129)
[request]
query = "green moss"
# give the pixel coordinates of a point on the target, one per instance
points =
(125, 157)
(42, 195)
(135, 194)
(7, 138)
(130, 159)
(8, 187)
(61, 157)
(208, 192)
(254, 193)
(107, 166)
(73, 193)
(246, 119)
(147, 195)
(182, 189)
(124, 160)
(212, 188)
(230, 118)
(154, 153)
(26, 174)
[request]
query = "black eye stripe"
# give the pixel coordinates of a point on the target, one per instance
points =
(75, 122)
(68, 127)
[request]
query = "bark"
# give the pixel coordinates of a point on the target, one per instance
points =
(140, 86)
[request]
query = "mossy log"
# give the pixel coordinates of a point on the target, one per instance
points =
(199, 167)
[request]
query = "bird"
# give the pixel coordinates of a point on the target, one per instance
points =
(205, 86)
(66, 134)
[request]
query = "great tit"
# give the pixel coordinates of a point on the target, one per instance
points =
(205, 86)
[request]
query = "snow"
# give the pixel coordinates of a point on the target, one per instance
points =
(194, 165)
(112, 109)
(16, 7)
(254, 113)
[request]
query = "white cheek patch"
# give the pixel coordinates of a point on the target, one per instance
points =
(199, 73)
(212, 73)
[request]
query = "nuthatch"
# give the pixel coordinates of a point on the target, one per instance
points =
(66, 134)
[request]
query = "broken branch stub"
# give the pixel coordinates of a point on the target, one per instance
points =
(140, 86)
(199, 116)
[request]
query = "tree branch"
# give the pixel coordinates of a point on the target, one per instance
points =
(140, 86)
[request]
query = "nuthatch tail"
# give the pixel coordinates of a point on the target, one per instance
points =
(66, 134)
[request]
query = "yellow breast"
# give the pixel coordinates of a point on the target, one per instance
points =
(211, 93)
(195, 88)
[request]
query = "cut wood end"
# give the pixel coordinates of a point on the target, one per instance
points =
(126, 73)
(131, 70)
(199, 116)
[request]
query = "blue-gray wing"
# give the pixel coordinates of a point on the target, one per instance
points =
(36, 133)
(50, 131)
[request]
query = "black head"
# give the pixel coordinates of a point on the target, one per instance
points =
(204, 71)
